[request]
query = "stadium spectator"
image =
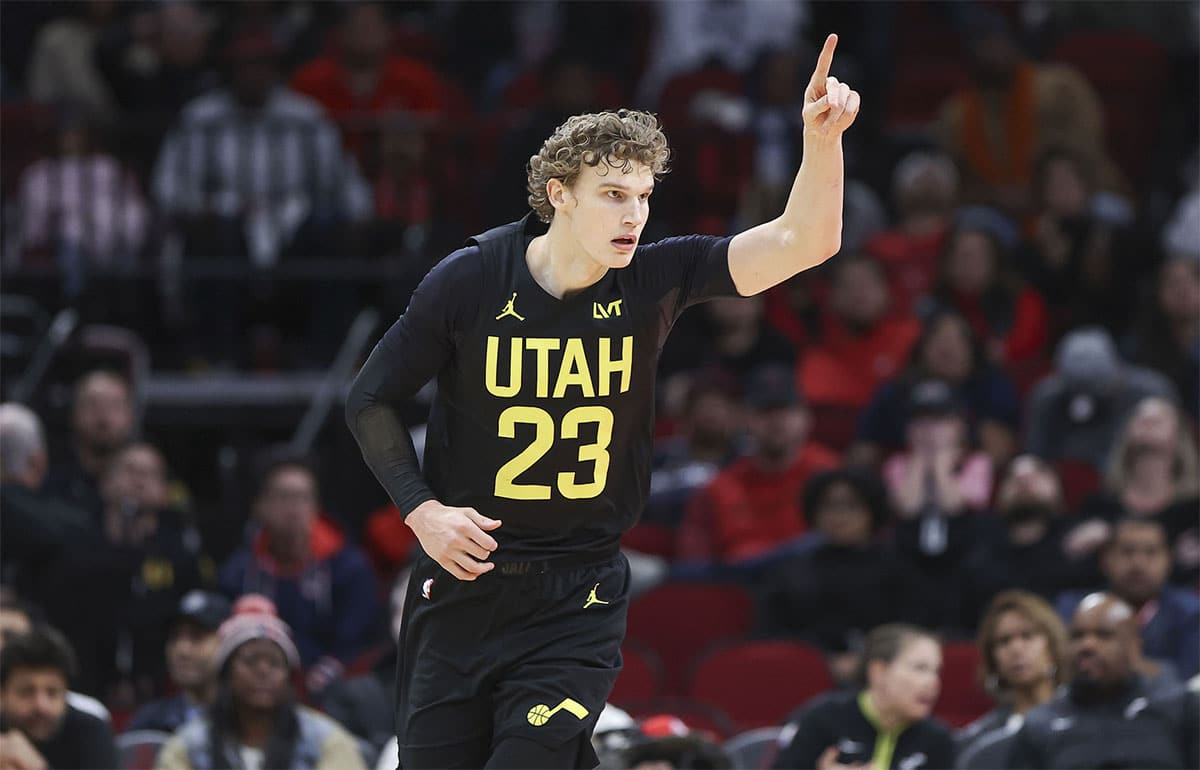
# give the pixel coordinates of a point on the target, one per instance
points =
(322, 584)
(1075, 255)
(360, 80)
(924, 194)
(1023, 549)
(885, 724)
(1136, 563)
(1106, 716)
(102, 422)
(38, 727)
(861, 345)
(939, 475)
(1166, 337)
(154, 61)
(1023, 659)
(191, 646)
(1076, 412)
(1012, 109)
(255, 720)
(81, 210)
(136, 575)
(728, 333)
(1154, 472)
(975, 278)
(36, 529)
(62, 68)
(256, 169)
(703, 442)
(849, 582)
(18, 617)
(751, 510)
(947, 350)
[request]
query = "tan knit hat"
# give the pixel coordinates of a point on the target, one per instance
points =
(246, 626)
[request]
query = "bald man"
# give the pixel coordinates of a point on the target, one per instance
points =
(1106, 716)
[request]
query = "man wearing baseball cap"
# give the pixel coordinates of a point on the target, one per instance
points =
(254, 720)
(190, 649)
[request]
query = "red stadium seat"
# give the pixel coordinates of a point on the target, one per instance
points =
(760, 683)
(963, 698)
(681, 620)
(640, 679)
(696, 715)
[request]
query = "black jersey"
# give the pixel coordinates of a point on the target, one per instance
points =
(544, 412)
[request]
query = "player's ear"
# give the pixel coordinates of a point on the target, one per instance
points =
(558, 194)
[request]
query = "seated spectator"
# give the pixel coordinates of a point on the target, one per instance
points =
(1136, 563)
(38, 727)
(1075, 257)
(1013, 108)
(751, 509)
(36, 529)
(81, 210)
(924, 192)
(294, 549)
(728, 333)
(947, 350)
(974, 278)
(256, 169)
(861, 345)
(1106, 716)
(887, 723)
(939, 475)
(62, 67)
(102, 422)
(1024, 548)
(703, 443)
(1167, 333)
(255, 721)
(137, 573)
(154, 61)
(18, 617)
(849, 582)
(360, 80)
(665, 741)
(1077, 411)
(1023, 660)
(1153, 472)
(191, 645)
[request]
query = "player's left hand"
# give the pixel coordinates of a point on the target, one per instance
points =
(830, 106)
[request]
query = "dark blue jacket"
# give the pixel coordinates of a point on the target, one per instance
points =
(332, 604)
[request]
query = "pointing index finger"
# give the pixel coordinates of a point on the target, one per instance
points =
(824, 61)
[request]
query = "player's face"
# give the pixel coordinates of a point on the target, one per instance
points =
(606, 210)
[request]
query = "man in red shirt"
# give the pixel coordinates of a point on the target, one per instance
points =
(752, 508)
(861, 345)
(360, 79)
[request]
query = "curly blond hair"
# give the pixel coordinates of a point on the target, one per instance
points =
(616, 139)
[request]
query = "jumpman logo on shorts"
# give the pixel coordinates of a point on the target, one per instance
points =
(509, 310)
(592, 598)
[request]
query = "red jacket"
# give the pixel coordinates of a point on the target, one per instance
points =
(746, 511)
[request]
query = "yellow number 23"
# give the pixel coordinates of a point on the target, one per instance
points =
(543, 439)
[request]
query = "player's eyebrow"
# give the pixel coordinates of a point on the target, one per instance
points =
(623, 187)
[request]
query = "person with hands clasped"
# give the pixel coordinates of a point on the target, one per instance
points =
(543, 336)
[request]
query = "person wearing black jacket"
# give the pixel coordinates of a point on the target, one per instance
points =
(848, 583)
(1107, 716)
(886, 725)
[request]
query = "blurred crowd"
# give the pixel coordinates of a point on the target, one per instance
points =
(978, 422)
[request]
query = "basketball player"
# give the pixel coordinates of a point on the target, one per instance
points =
(544, 337)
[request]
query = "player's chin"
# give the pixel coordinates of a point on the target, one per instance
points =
(618, 258)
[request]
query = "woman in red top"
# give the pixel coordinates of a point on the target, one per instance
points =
(974, 278)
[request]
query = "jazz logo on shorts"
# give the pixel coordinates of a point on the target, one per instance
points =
(541, 713)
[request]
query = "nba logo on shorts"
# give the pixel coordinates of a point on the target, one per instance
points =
(426, 586)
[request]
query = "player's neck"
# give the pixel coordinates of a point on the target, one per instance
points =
(560, 265)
